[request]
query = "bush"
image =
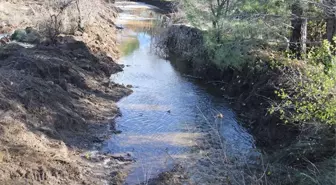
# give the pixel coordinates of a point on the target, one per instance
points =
(28, 35)
(228, 54)
(310, 96)
(57, 19)
(67, 16)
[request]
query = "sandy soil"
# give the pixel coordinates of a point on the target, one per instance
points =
(57, 104)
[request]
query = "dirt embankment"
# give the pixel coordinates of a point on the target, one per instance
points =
(56, 103)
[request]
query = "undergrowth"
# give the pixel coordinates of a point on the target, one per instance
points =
(280, 91)
(309, 94)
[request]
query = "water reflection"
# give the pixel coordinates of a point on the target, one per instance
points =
(129, 45)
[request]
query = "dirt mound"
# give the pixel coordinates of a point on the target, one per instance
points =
(51, 98)
(56, 101)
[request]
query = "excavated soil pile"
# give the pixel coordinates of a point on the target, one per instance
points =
(56, 102)
(51, 98)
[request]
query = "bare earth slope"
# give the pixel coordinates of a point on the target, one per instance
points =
(56, 103)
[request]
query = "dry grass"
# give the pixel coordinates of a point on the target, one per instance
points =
(62, 16)
(68, 17)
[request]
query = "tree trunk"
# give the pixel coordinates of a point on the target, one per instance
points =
(297, 23)
(303, 42)
(217, 30)
(331, 28)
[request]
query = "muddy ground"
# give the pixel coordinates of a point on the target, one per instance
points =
(54, 102)
(57, 104)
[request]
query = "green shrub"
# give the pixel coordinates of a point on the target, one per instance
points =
(312, 96)
(227, 53)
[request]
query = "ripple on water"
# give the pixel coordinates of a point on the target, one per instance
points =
(168, 114)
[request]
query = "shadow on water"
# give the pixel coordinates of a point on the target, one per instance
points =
(167, 114)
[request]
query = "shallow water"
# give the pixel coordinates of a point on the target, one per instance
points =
(167, 113)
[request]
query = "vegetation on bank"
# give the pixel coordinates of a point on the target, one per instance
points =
(310, 94)
(277, 58)
(291, 34)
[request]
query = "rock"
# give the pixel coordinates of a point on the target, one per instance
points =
(4, 41)
(123, 157)
(119, 27)
(129, 86)
(78, 33)
(97, 140)
(19, 35)
(106, 83)
(50, 82)
(21, 172)
(117, 132)
(220, 116)
(28, 35)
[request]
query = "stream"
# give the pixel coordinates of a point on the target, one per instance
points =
(168, 114)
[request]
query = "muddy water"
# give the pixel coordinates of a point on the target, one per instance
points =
(168, 113)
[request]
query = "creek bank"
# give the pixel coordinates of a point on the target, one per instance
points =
(184, 46)
(251, 91)
(57, 102)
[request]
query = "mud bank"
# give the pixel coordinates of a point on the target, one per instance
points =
(57, 104)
